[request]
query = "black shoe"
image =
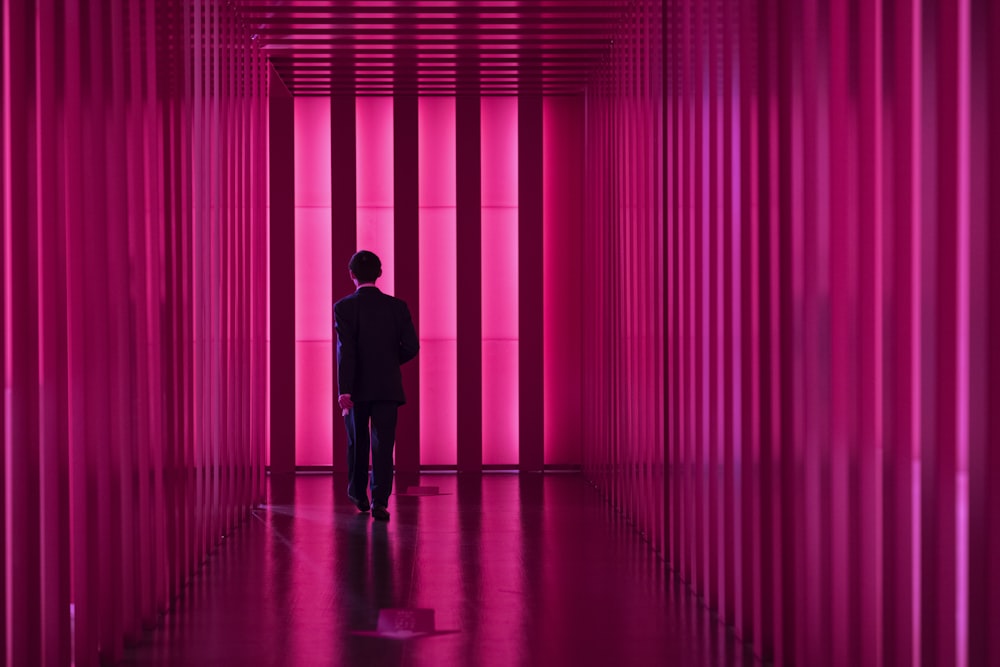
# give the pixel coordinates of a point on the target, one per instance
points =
(380, 513)
(362, 505)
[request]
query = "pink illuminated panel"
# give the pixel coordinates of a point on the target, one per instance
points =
(313, 284)
(375, 183)
(499, 262)
(438, 326)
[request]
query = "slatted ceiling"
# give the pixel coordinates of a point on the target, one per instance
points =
(434, 47)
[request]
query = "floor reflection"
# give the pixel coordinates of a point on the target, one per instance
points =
(517, 570)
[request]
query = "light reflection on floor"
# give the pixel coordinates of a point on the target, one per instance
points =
(518, 570)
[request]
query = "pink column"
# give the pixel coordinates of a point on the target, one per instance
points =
(344, 229)
(984, 459)
(23, 585)
(4, 216)
(902, 418)
(318, 283)
(563, 278)
(438, 316)
(282, 283)
(500, 161)
(469, 282)
(406, 199)
(530, 291)
(942, 446)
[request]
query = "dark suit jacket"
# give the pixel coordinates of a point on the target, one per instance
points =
(375, 336)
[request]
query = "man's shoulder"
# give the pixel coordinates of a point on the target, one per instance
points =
(350, 297)
(396, 302)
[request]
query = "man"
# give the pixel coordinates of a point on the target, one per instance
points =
(375, 336)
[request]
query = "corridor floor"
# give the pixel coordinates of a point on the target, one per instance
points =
(480, 570)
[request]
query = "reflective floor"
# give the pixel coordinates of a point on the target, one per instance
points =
(497, 569)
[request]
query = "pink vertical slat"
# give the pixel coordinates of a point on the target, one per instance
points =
(406, 212)
(984, 461)
(281, 123)
(52, 372)
(437, 305)
(500, 160)
(563, 276)
(22, 502)
(469, 283)
(4, 217)
(531, 451)
(344, 227)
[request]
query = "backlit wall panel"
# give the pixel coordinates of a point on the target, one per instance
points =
(499, 289)
(375, 184)
(317, 284)
(818, 301)
(134, 329)
(491, 319)
(437, 265)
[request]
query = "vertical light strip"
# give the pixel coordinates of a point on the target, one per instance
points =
(23, 584)
(499, 132)
(962, 398)
(375, 184)
(314, 281)
(438, 324)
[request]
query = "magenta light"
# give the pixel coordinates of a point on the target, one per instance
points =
(313, 284)
(438, 324)
(312, 154)
(375, 183)
(499, 267)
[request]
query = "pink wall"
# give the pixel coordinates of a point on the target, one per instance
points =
(501, 218)
(315, 280)
(498, 171)
(437, 266)
(787, 234)
(134, 320)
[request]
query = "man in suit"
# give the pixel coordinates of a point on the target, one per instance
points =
(375, 336)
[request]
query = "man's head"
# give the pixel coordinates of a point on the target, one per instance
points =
(365, 266)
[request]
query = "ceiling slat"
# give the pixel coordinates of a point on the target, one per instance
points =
(434, 47)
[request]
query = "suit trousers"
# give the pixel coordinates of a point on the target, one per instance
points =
(371, 427)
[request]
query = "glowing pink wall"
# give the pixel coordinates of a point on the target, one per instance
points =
(134, 284)
(500, 216)
(314, 281)
(788, 236)
(375, 184)
(499, 289)
(438, 326)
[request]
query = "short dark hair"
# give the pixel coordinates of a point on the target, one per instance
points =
(366, 266)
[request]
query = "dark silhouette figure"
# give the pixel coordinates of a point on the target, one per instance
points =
(375, 336)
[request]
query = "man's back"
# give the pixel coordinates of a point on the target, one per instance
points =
(375, 336)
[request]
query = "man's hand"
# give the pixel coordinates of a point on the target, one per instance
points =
(345, 402)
